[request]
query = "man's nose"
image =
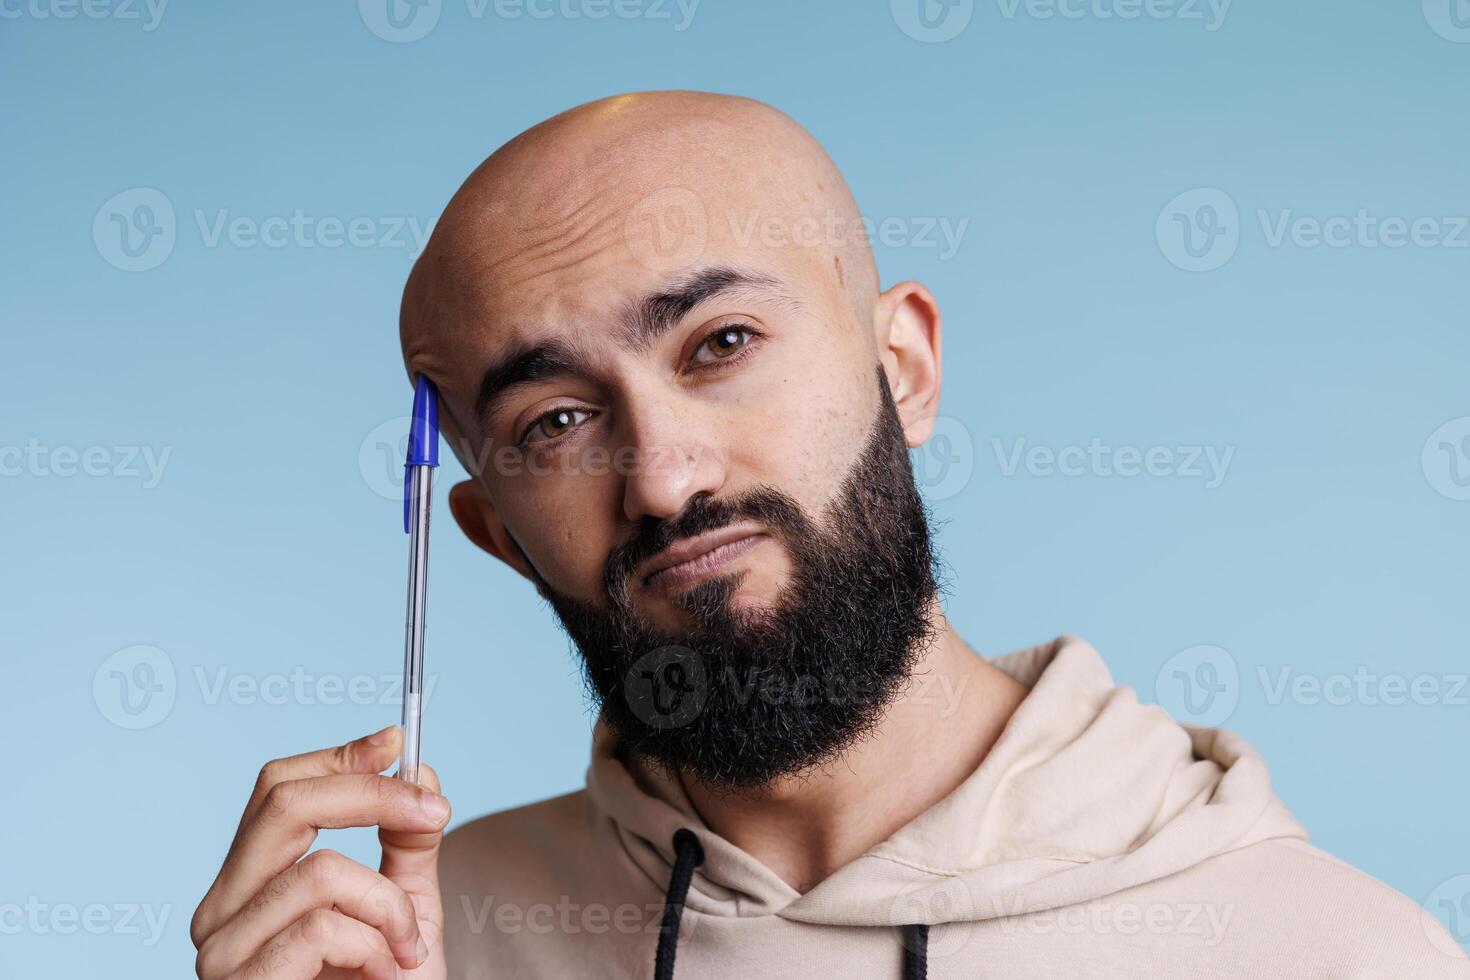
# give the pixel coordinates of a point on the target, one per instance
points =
(674, 457)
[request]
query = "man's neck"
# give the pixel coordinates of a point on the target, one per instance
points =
(805, 828)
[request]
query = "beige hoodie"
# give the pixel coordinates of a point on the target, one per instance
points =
(1098, 839)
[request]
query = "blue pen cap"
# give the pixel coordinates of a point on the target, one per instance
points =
(423, 438)
(423, 431)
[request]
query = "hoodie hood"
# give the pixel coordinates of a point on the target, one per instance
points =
(1086, 793)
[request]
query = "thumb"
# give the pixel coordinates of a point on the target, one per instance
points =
(411, 861)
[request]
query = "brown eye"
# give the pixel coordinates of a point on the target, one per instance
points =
(721, 344)
(555, 423)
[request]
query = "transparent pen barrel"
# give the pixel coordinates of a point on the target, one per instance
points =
(420, 487)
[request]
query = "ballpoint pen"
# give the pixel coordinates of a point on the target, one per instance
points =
(418, 487)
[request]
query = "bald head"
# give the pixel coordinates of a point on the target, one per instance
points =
(657, 182)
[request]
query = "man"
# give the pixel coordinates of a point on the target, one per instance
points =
(693, 441)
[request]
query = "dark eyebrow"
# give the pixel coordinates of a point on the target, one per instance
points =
(643, 322)
(525, 364)
(654, 315)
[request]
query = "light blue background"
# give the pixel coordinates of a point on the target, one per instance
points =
(271, 374)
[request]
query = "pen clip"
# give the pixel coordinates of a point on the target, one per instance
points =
(423, 438)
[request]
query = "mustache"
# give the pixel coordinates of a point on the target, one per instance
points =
(777, 512)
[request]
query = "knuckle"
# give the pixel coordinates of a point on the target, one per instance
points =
(270, 774)
(324, 867)
(317, 927)
(207, 963)
(384, 790)
(278, 800)
(197, 934)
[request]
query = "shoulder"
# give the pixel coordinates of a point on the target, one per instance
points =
(523, 850)
(1322, 913)
(534, 892)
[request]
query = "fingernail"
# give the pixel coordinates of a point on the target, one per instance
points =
(436, 806)
(422, 952)
(383, 737)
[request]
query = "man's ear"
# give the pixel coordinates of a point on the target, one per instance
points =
(907, 326)
(477, 518)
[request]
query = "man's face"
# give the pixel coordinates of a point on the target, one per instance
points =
(607, 390)
(681, 433)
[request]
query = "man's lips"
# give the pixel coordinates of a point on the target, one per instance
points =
(694, 558)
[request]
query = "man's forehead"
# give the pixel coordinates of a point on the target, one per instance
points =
(567, 229)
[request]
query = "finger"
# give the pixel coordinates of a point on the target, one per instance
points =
(411, 861)
(319, 939)
(368, 754)
(286, 824)
(323, 880)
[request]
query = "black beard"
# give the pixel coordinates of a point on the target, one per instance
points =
(741, 699)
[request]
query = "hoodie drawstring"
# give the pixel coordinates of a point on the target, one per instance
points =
(688, 855)
(915, 952)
